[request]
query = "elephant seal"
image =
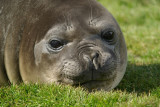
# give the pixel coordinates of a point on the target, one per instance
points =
(75, 42)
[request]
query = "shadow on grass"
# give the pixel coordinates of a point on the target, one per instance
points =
(140, 78)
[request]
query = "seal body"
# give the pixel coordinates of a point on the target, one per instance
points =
(60, 41)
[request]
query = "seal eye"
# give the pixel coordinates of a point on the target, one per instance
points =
(108, 36)
(56, 44)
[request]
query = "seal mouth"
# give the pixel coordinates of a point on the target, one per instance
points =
(83, 80)
(90, 76)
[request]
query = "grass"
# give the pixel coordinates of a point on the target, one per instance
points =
(140, 23)
(60, 95)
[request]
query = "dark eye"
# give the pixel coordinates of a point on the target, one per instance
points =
(56, 44)
(108, 36)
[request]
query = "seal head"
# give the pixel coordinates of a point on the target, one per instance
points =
(71, 42)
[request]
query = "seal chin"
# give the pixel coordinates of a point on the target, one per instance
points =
(97, 85)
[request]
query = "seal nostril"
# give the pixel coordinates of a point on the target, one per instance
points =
(94, 55)
(96, 64)
(95, 61)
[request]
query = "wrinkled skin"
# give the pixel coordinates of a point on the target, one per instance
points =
(85, 58)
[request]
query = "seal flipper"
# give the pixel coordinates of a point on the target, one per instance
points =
(11, 49)
(11, 58)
